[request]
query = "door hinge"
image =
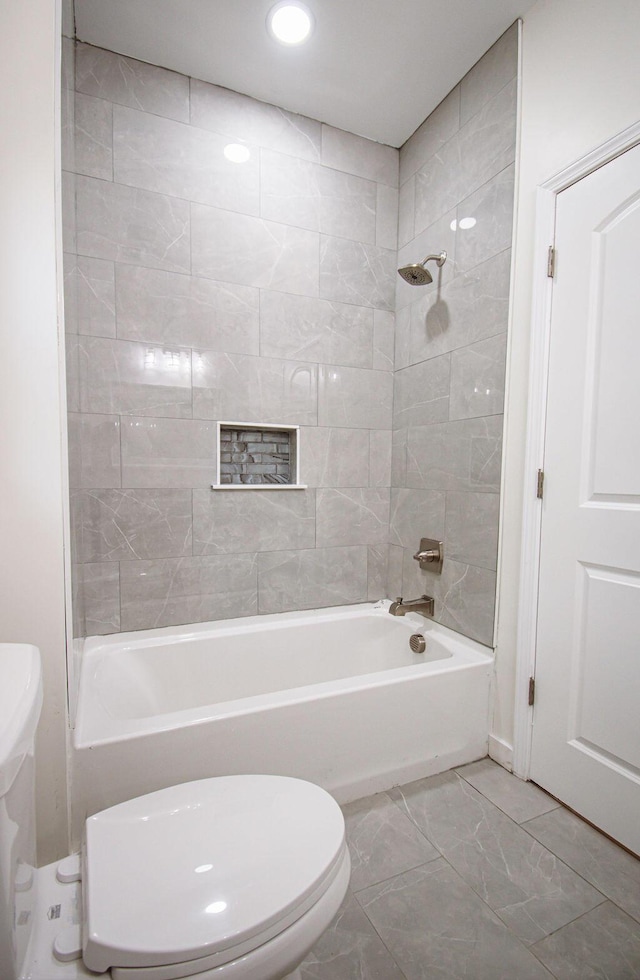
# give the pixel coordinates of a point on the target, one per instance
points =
(551, 262)
(532, 690)
(540, 484)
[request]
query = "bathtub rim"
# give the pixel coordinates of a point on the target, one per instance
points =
(463, 653)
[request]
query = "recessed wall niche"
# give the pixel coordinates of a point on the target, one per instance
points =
(255, 456)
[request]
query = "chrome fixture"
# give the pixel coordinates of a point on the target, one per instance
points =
(423, 605)
(417, 275)
(417, 643)
(430, 555)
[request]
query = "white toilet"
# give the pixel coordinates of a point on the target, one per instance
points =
(231, 877)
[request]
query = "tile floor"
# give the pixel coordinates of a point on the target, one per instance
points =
(475, 874)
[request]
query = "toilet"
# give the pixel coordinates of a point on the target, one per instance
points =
(229, 877)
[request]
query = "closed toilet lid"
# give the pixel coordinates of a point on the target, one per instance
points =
(204, 867)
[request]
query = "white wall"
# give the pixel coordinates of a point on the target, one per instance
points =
(580, 86)
(32, 600)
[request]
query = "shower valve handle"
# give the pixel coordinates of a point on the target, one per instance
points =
(430, 554)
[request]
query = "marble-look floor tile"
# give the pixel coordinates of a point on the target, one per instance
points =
(241, 117)
(383, 842)
(254, 389)
(240, 248)
(602, 945)
(530, 889)
(352, 516)
(132, 225)
(168, 308)
(608, 867)
(350, 949)
(311, 578)
(315, 330)
(183, 161)
(518, 799)
(228, 521)
(126, 81)
(437, 928)
(353, 272)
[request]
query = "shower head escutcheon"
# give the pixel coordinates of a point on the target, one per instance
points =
(417, 275)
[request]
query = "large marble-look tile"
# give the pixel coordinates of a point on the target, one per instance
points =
(421, 393)
(492, 208)
(91, 283)
(383, 340)
(94, 450)
(348, 206)
(352, 516)
(229, 521)
(494, 70)
(334, 457)
(394, 571)
(602, 945)
(238, 387)
(402, 344)
(240, 248)
(460, 455)
(310, 579)
(70, 293)
(472, 307)
(350, 949)
(173, 158)
(167, 308)
(354, 397)
(437, 928)
(471, 527)
(475, 154)
(477, 378)
(360, 156)
(69, 223)
(316, 330)
(72, 371)
(168, 453)
(383, 841)
(352, 272)
(407, 212)
(429, 137)
(399, 457)
(99, 584)
(125, 378)
(416, 514)
(520, 800)
(171, 591)
(67, 103)
(610, 869)
(386, 216)
(380, 443)
(132, 225)
(377, 567)
(93, 137)
(527, 886)
(438, 237)
(118, 525)
(241, 117)
(125, 81)
(289, 190)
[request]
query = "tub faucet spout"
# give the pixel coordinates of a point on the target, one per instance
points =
(423, 605)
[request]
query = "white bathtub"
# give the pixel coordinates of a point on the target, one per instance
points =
(334, 696)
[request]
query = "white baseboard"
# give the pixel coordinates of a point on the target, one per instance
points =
(501, 752)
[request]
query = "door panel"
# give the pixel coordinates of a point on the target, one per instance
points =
(586, 734)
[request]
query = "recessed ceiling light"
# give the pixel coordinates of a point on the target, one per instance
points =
(290, 22)
(236, 152)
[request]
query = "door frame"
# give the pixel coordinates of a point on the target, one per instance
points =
(539, 343)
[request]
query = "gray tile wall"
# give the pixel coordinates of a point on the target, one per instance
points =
(451, 343)
(200, 290)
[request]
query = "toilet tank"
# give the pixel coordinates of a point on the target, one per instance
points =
(20, 704)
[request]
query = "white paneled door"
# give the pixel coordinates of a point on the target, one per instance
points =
(586, 721)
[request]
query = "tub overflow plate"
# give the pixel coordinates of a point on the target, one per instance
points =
(417, 643)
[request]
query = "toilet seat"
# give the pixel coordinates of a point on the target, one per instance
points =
(200, 874)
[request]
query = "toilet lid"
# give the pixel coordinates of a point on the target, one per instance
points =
(205, 867)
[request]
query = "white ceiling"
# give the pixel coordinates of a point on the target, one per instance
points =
(372, 67)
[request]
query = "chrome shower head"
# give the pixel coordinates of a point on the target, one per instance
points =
(417, 275)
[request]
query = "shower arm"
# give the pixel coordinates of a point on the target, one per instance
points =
(439, 259)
